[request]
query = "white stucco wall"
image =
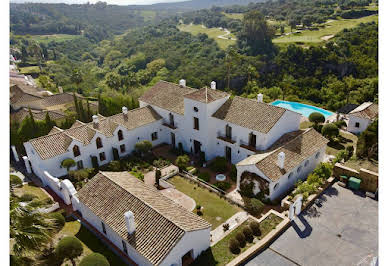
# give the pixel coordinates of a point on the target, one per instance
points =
(53, 165)
(197, 241)
(364, 123)
(284, 182)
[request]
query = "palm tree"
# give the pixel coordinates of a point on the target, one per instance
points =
(29, 230)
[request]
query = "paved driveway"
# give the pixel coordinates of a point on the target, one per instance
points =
(341, 229)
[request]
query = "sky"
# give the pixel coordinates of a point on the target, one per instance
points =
(114, 2)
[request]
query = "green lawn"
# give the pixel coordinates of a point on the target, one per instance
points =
(220, 254)
(332, 28)
(53, 37)
(29, 70)
(214, 206)
(31, 189)
(89, 241)
(346, 139)
(211, 32)
(357, 164)
(305, 124)
(234, 15)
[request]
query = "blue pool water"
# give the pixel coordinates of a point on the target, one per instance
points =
(301, 108)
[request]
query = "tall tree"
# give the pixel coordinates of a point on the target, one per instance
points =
(256, 35)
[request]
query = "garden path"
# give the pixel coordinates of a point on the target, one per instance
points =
(234, 221)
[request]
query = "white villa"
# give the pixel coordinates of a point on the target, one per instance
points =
(264, 142)
(259, 138)
(361, 117)
(148, 227)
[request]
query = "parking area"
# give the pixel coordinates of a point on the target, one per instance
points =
(340, 228)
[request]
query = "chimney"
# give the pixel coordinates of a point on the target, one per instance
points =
(95, 120)
(213, 85)
(130, 222)
(125, 110)
(281, 158)
(182, 83)
(260, 98)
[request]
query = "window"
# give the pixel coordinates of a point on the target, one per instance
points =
(80, 165)
(120, 135)
(102, 156)
(357, 124)
(195, 109)
(103, 227)
(196, 123)
(122, 148)
(317, 155)
(290, 175)
(252, 140)
(76, 151)
(306, 163)
(99, 143)
(124, 246)
(228, 131)
(276, 186)
(299, 169)
(171, 119)
(154, 136)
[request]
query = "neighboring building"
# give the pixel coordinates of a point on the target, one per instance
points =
(289, 159)
(361, 117)
(139, 220)
(200, 120)
(18, 116)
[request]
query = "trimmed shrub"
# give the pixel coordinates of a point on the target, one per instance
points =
(204, 176)
(241, 239)
(219, 165)
(323, 170)
(316, 118)
(340, 123)
(69, 247)
(114, 166)
(247, 231)
(182, 162)
(143, 147)
(59, 219)
(254, 206)
(15, 180)
(158, 175)
(82, 174)
(222, 185)
(68, 163)
(94, 259)
(27, 197)
(246, 189)
(330, 131)
(233, 173)
(234, 246)
(349, 152)
(255, 227)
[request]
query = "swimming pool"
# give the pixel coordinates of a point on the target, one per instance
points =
(301, 108)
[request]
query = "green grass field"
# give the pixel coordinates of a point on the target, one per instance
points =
(216, 210)
(148, 14)
(29, 70)
(332, 28)
(211, 32)
(53, 37)
(234, 15)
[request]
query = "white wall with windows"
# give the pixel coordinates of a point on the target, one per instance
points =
(357, 124)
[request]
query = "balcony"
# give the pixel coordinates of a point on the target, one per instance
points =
(247, 146)
(226, 138)
(169, 125)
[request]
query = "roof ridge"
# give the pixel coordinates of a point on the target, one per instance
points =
(102, 172)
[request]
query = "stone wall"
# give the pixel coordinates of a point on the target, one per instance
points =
(369, 179)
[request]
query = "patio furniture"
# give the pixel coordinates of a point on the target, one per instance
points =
(354, 183)
(220, 177)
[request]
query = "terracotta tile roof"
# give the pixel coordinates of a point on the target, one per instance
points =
(167, 95)
(49, 101)
(84, 132)
(303, 145)
(206, 95)
(250, 114)
(160, 222)
(22, 113)
(51, 145)
(55, 130)
(366, 110)
(19, 99)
